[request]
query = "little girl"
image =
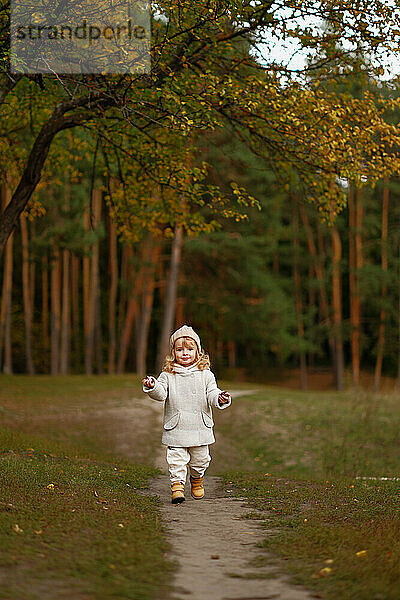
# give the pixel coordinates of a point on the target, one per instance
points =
(190, 390)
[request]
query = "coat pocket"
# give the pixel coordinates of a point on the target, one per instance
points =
(172, 422)
(207, 420)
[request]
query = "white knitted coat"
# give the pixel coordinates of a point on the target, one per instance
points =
(189, 395)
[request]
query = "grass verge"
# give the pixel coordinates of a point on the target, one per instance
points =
(335, 533)
(73, 520)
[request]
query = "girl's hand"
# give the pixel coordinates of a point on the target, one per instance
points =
(149, 381)
(224, 397)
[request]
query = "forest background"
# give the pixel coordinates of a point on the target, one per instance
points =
(225, 190)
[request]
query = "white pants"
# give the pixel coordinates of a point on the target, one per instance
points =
(197, 458)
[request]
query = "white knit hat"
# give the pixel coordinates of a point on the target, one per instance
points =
(184, 331)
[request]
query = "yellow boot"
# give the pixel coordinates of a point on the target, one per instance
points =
(197, 487)
(177, 492)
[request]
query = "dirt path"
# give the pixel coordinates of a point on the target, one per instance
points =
(214, 547)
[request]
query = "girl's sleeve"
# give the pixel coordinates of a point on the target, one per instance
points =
(213, 391)
(160, 390)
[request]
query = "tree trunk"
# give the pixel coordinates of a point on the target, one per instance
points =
(312, 302)
(398, 321)
(6, 297)
(219, 350)
(88, 316)
(55, 312)
(337, 308)
(180, 303)
(126, 333)
(231, 355)
(26, 292)
(32, 269)
(147, 306)
(384, 262)
(180, 313)
(95, 283)
(126, 267)
(131, 313)
(355, 256)
(112, 301)
(298, 298)
(170, 300)
(98, 337)
(317, 256)
(45, 302)
(65, 350)
(275, 263)
(75, 337)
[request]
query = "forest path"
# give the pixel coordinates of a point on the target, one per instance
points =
(214, 546)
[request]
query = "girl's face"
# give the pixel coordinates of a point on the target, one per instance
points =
(185, 350)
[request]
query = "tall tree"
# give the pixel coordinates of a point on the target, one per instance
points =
(65, 342)
(384, 263)
(113, 289)
(170, 297)
(213, 49)
(146, 306)
(88, 316)
(45, 302)
(6, 296)
(27, 294)
(337, 308)
(76, 311)
(298, 295)
(356, 261)
(95, 282)
(55, 318)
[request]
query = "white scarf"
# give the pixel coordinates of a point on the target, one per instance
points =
(181, 370)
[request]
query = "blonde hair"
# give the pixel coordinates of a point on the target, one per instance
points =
(203, 360)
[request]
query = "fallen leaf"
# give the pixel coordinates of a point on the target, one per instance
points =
(361, 553)
(17, 528)
(322, 573)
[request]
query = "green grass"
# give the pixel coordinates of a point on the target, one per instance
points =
(86, 410)
(308, 450)
(303, 453)
(73, 522)
(316, 435)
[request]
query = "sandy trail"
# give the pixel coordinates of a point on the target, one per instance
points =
(214, 547)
